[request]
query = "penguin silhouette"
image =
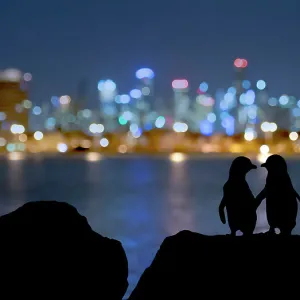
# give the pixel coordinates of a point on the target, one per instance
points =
(281, 197)
(238, 198)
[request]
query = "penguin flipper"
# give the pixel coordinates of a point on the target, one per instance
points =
(221, 211)
(222, 216)
(297, 195)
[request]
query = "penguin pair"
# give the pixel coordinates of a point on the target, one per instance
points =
(238, 199)
(281, 197)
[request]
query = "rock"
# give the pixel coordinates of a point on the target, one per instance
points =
(194, 266)
(48, 248)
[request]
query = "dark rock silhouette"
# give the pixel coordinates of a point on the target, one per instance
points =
(193, 266)
(238, 199)
(281, 198)
(49, 249)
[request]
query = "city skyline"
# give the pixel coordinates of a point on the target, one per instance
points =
(70, 42)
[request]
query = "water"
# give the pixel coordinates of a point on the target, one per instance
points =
(137, 200)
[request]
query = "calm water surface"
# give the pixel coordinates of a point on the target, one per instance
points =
(137, 200)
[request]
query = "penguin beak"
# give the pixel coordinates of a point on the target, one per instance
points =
(253, 167)
(263, 165)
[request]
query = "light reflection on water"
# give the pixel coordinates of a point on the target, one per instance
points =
(137, 200)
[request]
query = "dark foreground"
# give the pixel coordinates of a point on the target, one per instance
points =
(50, 250)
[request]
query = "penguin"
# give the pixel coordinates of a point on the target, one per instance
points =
(238, 198)
(281, 197)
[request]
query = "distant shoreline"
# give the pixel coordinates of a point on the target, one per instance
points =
(23, 155)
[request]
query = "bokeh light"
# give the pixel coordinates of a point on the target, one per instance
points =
(160, 122)
(65, 100)
(177, 157)
(293, 136)
(135, 94)
(27, 77)
(2, 116)
(23, 137)
(272, 127)
(261, 84)
(284, 100)
(146, 91)
(62, 147)
(122, 149)
(38, 135)
(144, 73)
(104, 142)
(180, 127)
(272, 101)
(93, 156)
(2, 142)
(37, 110)
(17, 129)
(180, 84)
(203, 87)
(264, 149)
(240, 63)
(246, 84)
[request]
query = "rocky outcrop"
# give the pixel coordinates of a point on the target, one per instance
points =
(193, 266)
(48, 249)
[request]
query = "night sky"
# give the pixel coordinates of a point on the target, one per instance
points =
(65, 42)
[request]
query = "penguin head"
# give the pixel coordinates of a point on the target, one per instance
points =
(275, 164)
(241, 166)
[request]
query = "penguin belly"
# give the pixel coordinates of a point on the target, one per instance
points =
(249, 222)
(282, 214)
(242, 220)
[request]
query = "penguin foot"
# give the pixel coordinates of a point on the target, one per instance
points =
(271, 232)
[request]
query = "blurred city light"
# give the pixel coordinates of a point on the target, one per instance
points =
(106, 86)
(23, 137)
(160, 122)
(146, 91)
(2, 142)
(64, 100)
(144, 73)
(62, 147)
(96, 128)
(37, 110)
(211, 117)
(17, 129)
(293, 136)
(122, 149)
(38, 135)
(93, 156)
(12, 75)
(180, 84)
(272, 127)
(2, 116)
(272, 101)
(180, 127)
(203, 87)
(246, 84)
(284, 100)
(104, 142)
(15, 156)
(265, 126)
(177, 157)
(27, 77)
(261, 84)
(264, 149)
(124, 99)
(131, 120)
(240, 63)
(262, 158)
(135, 94)
(206, 127)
